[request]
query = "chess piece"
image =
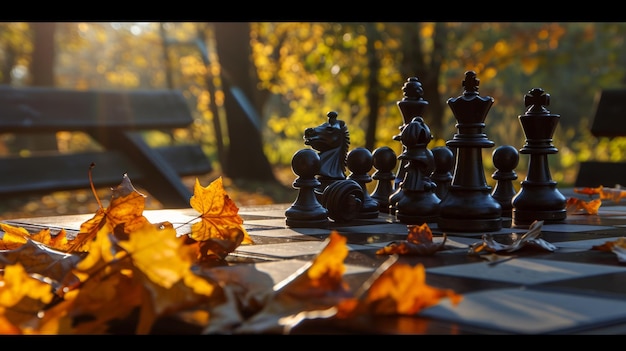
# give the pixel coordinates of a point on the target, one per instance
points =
(332, 140)
(444, 165)
(538, 198)
(306, 211)
(359, 162)
(343, 199)
(411, 105)
(418, 203)
(384, 160)
(505, 160)
(469, 206)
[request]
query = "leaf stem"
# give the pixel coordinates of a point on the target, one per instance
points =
(93, 188)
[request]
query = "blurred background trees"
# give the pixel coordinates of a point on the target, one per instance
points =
(254, 87)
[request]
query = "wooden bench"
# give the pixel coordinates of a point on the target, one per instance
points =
(609, 121)
(116, 120)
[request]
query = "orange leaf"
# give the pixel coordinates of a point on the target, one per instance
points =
(419, 234)
(13, 237)
(614, 194)
(577, 205)
(323, 276)
(588, 191)
(419, 242)
(124, 215)
(313, 290)
(400, 290)
(608, 245)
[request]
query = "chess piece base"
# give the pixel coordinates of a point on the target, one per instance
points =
(307, 223)
(525, 218)
(408, 219)
(470, 225)
(369, 214)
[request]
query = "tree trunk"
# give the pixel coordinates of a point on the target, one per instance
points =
(373, 95)
(414, 65)
(42, 74)
(245, 157)
(42, 66)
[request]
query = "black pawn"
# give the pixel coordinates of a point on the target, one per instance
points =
(538, 198)
(306, 211)
(384, 161)
(505, 160)
(360, 162)
(418, 203)
(444, 165)
(469, 206)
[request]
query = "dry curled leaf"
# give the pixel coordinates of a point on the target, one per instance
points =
(618, 247)
(575, 205)
(419, 242)
(488, 245)
(589, 190)
(124, 215)
(604, 193)
(399, 289)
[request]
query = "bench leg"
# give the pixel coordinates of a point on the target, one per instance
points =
(160, 180)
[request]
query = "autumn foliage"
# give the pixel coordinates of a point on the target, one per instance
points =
(120, 267)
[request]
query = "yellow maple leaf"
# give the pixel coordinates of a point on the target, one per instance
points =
(162, 256)
(218, 213)
(159, 254)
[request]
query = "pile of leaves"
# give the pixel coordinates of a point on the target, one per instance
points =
(121, 267)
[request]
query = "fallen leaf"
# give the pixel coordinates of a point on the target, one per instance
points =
(220, 230)
(419, 242)
(124, 215)
(399, 289)
(576, 205)
(589, 190)
(40, 259)
(618, 247)
(530, 238)
(317, 286)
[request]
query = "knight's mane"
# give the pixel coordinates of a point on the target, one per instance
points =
(334, 160)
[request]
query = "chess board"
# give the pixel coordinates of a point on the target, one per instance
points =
(572, 290)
